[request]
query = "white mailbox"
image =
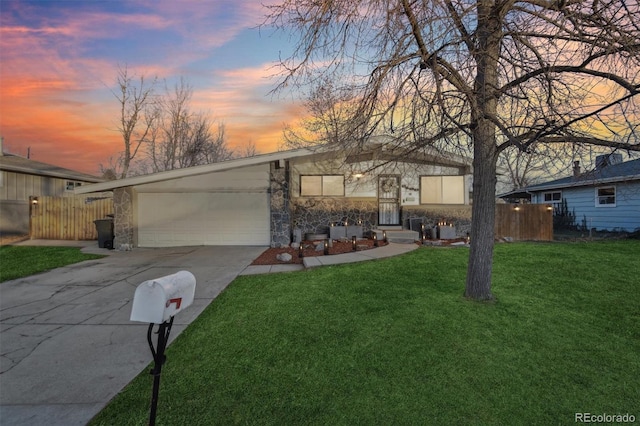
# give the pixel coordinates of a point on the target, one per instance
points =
(157, 300)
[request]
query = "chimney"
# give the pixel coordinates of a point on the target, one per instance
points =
(1, 147)
(576, 168)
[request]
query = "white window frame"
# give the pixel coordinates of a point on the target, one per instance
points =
(598, 197)
(552, 201)
(323, 190)
(71, 183)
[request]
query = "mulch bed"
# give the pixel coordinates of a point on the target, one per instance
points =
(268, 257)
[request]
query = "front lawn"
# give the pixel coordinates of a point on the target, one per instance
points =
(394, 342)
(22, 261)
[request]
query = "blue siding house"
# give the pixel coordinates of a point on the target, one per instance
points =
(606, 198)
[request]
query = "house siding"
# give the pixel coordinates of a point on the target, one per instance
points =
(15, 191)
(625, 216)
(279, 209)
(360, 203)
(20, 186)
(124, 218)
(315, 214)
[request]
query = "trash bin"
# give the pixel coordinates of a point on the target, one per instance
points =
(105, 233)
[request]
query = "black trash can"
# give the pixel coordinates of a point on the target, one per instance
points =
(105, 233)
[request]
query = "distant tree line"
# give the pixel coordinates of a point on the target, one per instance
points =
(160, 131)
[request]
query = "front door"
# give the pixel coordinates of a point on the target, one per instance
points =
(388, 200)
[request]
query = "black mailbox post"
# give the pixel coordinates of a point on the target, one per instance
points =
(105, 233)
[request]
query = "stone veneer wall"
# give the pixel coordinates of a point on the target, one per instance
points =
(280, 211)
(123, 218)
(460, 216)
(314, 215)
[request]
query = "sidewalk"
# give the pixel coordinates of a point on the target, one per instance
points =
(391, 249)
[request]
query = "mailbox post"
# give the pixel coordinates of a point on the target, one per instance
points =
(157, 301)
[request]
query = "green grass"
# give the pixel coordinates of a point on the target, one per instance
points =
(22, 261)
(394, 342)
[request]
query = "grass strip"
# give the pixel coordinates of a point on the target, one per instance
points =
(21, 261)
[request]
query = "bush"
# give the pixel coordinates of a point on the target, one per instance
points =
(563, 218)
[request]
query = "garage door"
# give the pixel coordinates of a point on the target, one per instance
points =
(183, 219)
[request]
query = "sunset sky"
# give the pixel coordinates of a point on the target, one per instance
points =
(59, 62)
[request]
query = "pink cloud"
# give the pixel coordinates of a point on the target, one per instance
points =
(55, 97)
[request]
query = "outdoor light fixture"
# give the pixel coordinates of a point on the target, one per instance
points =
(354, 243)
(517, 208)
(300, 251)
(375, 239)
(34, 200)
(326, 246)
(358, 175)
(549, 208)
(468, 238)
(384, 236)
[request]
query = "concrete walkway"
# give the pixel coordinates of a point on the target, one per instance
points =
(67, 346)
(391, 249)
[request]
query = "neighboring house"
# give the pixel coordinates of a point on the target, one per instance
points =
(606, 198)
(260, 200)
(22, 179)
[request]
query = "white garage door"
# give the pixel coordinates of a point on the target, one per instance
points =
(183, 219)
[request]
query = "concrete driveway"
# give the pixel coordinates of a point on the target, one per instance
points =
(67, 345)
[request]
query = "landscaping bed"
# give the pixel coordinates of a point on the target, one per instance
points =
(270, 255)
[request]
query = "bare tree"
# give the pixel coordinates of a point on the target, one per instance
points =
(182, 138)
(216, 148)
(519, 169)
(247, 150)
(480, 76)
(110, 170)
(137, 114)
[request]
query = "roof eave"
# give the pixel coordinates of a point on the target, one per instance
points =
(54, 174)
(591, 182)
(193, 171)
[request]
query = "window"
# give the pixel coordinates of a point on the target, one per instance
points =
(442, 189)
(72, 184)
(326, 185)
(606, 196)
(552, 197)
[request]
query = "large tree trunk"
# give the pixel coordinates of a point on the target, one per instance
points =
(478, 285)
(485, 106)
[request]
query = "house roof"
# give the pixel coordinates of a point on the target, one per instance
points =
(194, 171)
(629, 170)
(427, 155)
(226, 165)
(17, 164)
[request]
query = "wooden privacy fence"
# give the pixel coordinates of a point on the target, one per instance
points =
(524, 221)
(67, 218)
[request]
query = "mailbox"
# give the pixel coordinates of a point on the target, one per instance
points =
(156, 301)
